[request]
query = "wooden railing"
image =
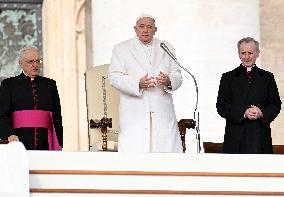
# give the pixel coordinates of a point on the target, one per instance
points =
(154, 191)
(4, 142)
(211, 147)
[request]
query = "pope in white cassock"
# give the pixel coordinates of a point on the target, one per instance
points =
(145, 76)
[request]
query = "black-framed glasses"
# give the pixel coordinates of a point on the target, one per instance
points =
(39, 61)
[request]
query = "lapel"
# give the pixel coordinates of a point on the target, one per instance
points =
(139, 54)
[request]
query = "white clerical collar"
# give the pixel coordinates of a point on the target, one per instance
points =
(28, 76)
(249, 68)
(149, 44)
(145, 45)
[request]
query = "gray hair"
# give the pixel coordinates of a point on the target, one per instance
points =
(247, 40)
(22, 51)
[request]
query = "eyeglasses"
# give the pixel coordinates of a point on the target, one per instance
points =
(34, 61)
(149, 27)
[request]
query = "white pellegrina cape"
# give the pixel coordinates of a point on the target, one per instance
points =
(128, 64)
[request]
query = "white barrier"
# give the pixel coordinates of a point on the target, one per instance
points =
(14, 172)
(114, 174)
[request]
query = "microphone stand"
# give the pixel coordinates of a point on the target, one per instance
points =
(196, 113)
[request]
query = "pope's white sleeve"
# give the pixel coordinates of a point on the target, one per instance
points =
(119, 77)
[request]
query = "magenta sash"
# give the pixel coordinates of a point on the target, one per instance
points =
(37, 118)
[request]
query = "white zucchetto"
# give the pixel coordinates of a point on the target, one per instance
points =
(144, 16)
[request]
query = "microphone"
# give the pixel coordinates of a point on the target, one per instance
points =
(167, 50)
(164, 46)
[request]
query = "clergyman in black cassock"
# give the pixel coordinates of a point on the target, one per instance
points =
(29, 91)
(248, 99)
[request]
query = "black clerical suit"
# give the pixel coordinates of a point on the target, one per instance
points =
(22, 93)
(237, 92)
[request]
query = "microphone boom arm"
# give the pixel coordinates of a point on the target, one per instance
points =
(195, 83)
(166, 49)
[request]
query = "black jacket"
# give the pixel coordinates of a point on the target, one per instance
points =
(16, 94)
(235, 95)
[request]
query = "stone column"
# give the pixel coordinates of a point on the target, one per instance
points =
(272, 53)
(65, 53)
